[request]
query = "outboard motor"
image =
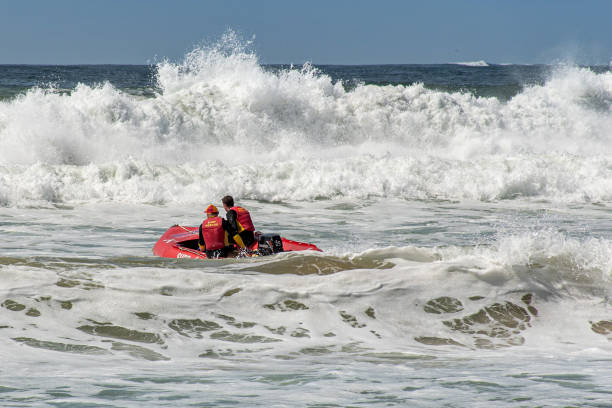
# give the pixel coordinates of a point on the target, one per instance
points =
(269, 244)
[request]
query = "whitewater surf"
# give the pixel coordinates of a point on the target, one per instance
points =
(464, 211)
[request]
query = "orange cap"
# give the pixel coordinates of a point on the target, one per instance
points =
(211, 209)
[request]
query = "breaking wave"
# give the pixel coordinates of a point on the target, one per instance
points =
(382, 299)
(223, 122)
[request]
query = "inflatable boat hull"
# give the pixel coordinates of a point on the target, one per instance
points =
(182, 242)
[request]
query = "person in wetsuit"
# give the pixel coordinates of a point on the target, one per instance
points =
(213, 235)
(240, 223)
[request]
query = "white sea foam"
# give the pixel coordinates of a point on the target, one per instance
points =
(224, 123)
(299, 311)
(543, 259)
(480, 63)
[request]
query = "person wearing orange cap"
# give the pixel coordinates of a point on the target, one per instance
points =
(213, 234)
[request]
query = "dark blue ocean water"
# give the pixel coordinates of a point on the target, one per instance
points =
(17, 79)
(501, 81)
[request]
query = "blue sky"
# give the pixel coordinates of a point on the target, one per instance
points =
(323, 32)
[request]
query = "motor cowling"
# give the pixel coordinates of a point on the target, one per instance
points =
(268, 244)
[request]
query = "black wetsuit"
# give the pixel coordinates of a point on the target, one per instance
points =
(248, 237)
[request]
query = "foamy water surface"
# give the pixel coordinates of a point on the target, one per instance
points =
(466, 239)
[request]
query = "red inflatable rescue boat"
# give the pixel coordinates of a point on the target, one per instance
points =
(182, 242)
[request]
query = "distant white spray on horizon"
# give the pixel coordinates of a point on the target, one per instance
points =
(480, 63)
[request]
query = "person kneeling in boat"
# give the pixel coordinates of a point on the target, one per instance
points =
(213, 235)
(240, 223)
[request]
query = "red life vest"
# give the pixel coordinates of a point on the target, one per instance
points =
(213, 233)
(244, 218)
